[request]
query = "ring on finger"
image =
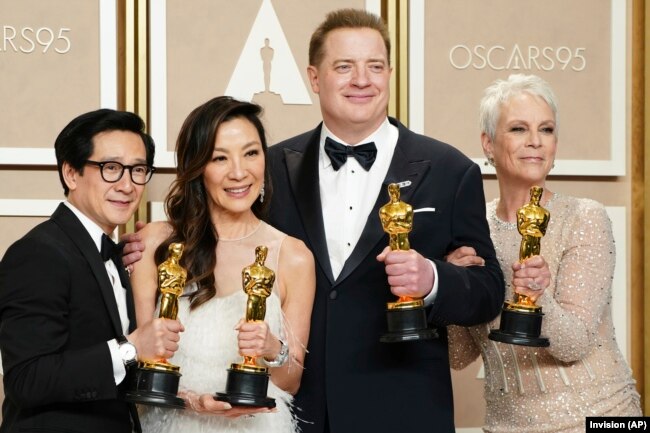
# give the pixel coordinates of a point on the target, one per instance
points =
(534, 285)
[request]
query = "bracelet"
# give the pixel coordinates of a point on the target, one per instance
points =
(282, 357)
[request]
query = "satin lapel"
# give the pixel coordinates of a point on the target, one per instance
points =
(71, 225)
(302, 167)
(401, 169)
(130, 307)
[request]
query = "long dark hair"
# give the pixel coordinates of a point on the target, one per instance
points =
(187, 201)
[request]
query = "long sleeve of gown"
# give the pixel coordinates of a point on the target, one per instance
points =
(583, 285)
(463, 350)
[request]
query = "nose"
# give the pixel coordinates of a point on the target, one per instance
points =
(535, 139)
(125, 183)
(237, 170)
(360, 77)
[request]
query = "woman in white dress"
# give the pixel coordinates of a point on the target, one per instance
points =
(215, 208)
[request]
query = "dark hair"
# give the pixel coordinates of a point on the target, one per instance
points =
(186, 203)
(74, 143)
(345, 19)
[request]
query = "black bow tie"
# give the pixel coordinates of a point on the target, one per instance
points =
(338, 153)
(110, 250)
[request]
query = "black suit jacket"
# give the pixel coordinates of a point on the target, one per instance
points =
(57, 311)
(351, 380)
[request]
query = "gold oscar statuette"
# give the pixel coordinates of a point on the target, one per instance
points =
(406, 316)
(247, 382)
(155, 382)
(521, 319)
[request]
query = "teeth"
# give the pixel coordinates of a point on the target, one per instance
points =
(237, 190)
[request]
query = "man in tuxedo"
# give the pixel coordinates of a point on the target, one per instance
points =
(329, 184)
(67, 325)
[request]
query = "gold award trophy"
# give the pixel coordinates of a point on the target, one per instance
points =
(521, 319)
(155, 382)
(407, 320)
(247, 382)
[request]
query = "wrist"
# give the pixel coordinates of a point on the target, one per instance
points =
(128, 351)
(281, 357)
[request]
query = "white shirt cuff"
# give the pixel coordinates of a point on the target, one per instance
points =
(428, 300)
(119, 371)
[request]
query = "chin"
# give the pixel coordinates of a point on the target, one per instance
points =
(122, 217)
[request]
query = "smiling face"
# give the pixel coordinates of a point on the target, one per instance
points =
(352, 82)
(234, 176)
(525, 142)
(107, 204)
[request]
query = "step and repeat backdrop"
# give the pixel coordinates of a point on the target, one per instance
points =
(61, 58)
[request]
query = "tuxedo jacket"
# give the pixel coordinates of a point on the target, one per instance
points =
(57, 311)
(352, 382)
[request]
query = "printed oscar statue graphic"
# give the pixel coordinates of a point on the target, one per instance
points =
(407, 320)
(155, 382)
(521, 319)
(247, 382)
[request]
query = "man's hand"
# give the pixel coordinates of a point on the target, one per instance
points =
(409, 274)
(157, 339)
(133, 246)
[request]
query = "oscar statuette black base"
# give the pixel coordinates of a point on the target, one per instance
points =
(407, 324)
(520, 327)
(154, 387)
(246, 386)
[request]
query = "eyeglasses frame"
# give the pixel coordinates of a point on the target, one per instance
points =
(151, 169)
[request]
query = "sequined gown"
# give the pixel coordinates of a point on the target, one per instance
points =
(209, 344)
(583, 372)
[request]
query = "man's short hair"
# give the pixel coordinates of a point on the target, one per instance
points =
(74, 144)
(345, 19)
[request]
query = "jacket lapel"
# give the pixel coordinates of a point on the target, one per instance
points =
(71, 225)
(403, 167)
(130, 307)
(302, 167)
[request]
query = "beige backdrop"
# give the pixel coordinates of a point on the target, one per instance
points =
(203, 41)
(49, 69)
(571, 51)
(203, 46)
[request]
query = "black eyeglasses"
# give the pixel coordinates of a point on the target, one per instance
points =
(112, 171)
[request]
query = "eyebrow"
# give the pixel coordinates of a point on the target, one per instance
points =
(351, 60)
(246, 146)
(119, 159)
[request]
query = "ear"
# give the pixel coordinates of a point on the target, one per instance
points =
(312, 73)
(487, 145)
(70, 175)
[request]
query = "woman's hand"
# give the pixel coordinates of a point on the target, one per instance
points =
(464, 256)
(531, 277)
(133, 247)
(207, 405)
(255, 339)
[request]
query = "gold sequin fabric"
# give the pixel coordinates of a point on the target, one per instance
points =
(583, 372)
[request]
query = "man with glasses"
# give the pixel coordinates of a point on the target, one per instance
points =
(67, 322)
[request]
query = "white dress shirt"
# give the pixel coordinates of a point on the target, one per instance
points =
(348, 195)
(95, 232)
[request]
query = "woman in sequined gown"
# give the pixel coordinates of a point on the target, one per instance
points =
(215, 207)
(582, 373)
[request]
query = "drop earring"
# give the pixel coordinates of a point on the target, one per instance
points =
(262, 194)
